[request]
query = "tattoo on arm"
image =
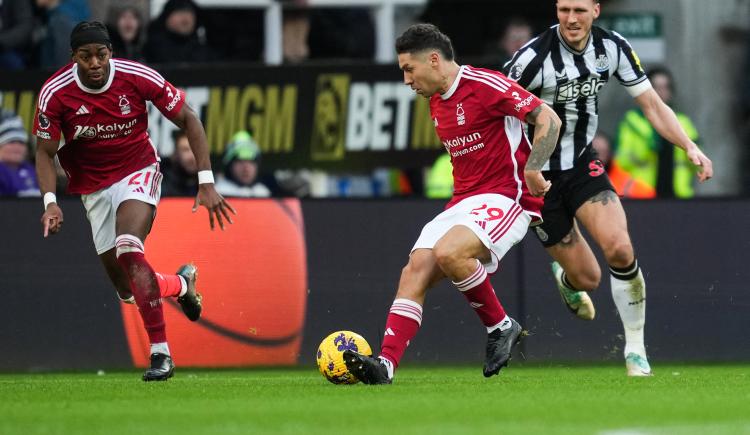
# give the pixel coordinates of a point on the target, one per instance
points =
(545, 141)
(605, 197)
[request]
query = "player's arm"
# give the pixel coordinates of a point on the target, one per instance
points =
(546, 130)
(208, 197)
(52, 219)
(665, 122)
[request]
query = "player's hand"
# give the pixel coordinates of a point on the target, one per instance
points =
(705, 167)
(536, 183)
(52, 219)
(218, 207)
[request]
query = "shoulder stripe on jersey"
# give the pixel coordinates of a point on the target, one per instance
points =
(51, 91)
(542, 47)
(52, 83)
(497, 81)
(159, 83)
(139, 67)
(134, 67)
(580, 140)
(486, 82)
(495, 77)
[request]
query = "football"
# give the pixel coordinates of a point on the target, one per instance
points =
(330, 356)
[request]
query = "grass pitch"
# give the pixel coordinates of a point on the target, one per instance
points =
(687, 399)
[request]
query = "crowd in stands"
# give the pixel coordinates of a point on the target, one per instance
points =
(35, 34)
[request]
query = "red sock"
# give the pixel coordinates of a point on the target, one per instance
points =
(144, 285)
(401, 326)
(169, 285)
(481, 296)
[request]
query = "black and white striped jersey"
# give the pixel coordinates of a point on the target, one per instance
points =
(569, 81)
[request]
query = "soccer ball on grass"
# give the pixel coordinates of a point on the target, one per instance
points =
(330, 356)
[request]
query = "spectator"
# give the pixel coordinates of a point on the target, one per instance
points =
(61, 16)
(515, 35)
(439, 180)
(295, 30)
(125, 25)
(241, 163)
(647, 156)
(342, 33)
(17, 174)
(625, 185)
(16, 23)
(177, 35)
(181, 170)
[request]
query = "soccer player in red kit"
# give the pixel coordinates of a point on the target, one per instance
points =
(498, 190)
(98, 105)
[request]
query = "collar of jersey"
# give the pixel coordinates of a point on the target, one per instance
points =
(106, 86)
(449, 93)
(571, 49)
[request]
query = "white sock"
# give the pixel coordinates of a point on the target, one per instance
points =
(130, 300)
(630, 298)
(162, 348)
(388, 365)
(503, 325)
(183, 290)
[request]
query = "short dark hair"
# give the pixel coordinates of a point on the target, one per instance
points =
(661, 71)
(420, 37)
(87, 32)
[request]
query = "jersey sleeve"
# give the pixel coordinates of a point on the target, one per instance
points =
(525, 67)
(164, 95)
(629, 70)
(505, 97)
(47, 119)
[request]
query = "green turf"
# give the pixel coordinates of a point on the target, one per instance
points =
(430, 400)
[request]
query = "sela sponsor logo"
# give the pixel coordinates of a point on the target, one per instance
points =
(175, 96)
(574, 90)
(523, 103)
(124, 105)
(460, 114)
(104, 131)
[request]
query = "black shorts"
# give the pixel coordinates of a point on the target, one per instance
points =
(570, 189)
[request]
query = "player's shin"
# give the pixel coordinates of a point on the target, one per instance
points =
(629, 294)
(145, 286)
(404, 320)
(478, 290)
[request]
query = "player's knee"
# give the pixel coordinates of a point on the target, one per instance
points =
(444, 256)
(588, 280)
(619, 253)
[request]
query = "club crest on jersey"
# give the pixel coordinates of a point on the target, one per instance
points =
(601, 63)
(460, 115)
(124, 105)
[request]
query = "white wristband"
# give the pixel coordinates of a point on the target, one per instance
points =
(205, 177)
(49, 198)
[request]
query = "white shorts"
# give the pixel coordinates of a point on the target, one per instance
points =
(498, 221)
(101, 206)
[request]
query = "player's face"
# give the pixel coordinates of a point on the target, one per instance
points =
(93, 64)
(663, 87)
(576, 18)
(420, 72)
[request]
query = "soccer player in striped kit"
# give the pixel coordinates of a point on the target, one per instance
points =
(478, 115)
(98, 105)
(567, 66)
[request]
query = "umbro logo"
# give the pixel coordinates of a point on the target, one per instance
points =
(82, 110)
(560, 74)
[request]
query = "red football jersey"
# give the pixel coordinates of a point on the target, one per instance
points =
(105, 130)
(479, 120)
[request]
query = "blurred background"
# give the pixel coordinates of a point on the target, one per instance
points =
(315, 85)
